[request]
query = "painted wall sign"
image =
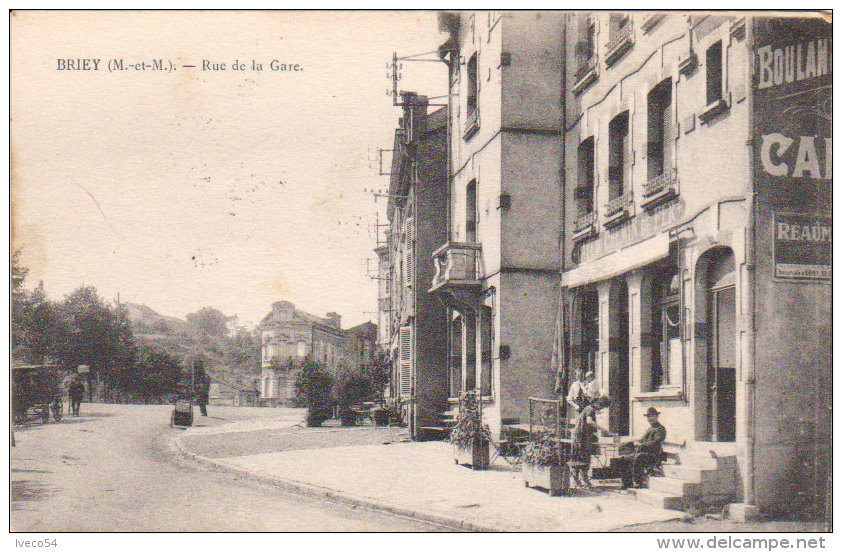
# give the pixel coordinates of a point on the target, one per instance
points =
(803, 245)
(793, 172)
(641, 227)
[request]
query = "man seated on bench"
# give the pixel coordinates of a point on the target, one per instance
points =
(637, 457)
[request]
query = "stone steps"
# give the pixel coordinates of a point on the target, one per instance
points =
(676, 487)
(699, 479)
(659, 499)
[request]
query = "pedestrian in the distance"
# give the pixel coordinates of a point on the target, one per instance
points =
(77, 393)
(202, 393)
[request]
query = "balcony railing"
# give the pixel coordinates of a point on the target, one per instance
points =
(619, 43)
(660, 189)
(457, 264)
(471, 123)
(618, 209)
(585, 74)
(650, 21)
(584, 226)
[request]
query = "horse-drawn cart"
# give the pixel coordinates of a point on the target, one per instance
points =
(36, 392)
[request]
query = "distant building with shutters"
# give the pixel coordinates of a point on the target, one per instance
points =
(417, 213)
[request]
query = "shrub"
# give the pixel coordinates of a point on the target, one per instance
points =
(353, 389)
(312, 391)
(469, 427)
(542, 450)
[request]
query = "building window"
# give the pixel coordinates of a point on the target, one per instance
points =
(473, 84)
(666, 329)
(472, 94)
(660, 141)
(617, 25)
(586, 61)
(619, 167)
(619, 37)
(713, 62)
(471, 212)
(585, 179)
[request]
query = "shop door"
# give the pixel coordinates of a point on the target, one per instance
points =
(722, 374)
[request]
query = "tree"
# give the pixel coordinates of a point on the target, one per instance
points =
(153, 376)
(38, 327)
(99, 336)
(210, 321)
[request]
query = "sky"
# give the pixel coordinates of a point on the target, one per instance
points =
(190, 188)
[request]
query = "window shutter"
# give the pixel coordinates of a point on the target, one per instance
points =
(405, 361)
(409, 256)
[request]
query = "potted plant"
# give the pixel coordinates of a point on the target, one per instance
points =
(544, 465)
(469, 437)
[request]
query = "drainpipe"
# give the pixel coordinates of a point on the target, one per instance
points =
(751, 285)
(562, 342)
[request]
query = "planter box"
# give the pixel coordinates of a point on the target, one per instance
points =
(475, 455)
(556, 479)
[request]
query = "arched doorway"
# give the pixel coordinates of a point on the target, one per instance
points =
(715, 273)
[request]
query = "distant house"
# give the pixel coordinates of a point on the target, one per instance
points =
(361, 344)
(288, 335)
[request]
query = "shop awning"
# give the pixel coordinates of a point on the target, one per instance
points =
(619, 262)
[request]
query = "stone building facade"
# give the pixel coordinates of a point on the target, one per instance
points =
(417, 214)
(289, 335)
(671, 290)
(499, 268)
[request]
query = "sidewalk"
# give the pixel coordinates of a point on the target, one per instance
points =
(418, 480)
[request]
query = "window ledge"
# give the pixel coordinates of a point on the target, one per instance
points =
(713, 110)
(662, 394)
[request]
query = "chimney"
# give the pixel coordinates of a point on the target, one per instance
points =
(414, 119)
(334, 320)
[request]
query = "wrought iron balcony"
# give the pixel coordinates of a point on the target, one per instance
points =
(660, 189)
(584, 226)
(457, 265)
(586, 74)
(619, 43)
(618, 209)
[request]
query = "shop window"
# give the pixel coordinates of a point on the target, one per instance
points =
(619, 167)
(660, 140)
(713, 63)
(666, 330)
(585, 181)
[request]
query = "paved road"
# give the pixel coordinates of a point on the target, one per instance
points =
(112, 470)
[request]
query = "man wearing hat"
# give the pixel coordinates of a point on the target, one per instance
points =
(642, 454)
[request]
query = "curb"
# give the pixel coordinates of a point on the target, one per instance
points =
(338, 496)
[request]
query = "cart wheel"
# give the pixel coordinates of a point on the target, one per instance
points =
(45, 414)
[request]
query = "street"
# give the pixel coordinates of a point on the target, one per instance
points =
(112, 470)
